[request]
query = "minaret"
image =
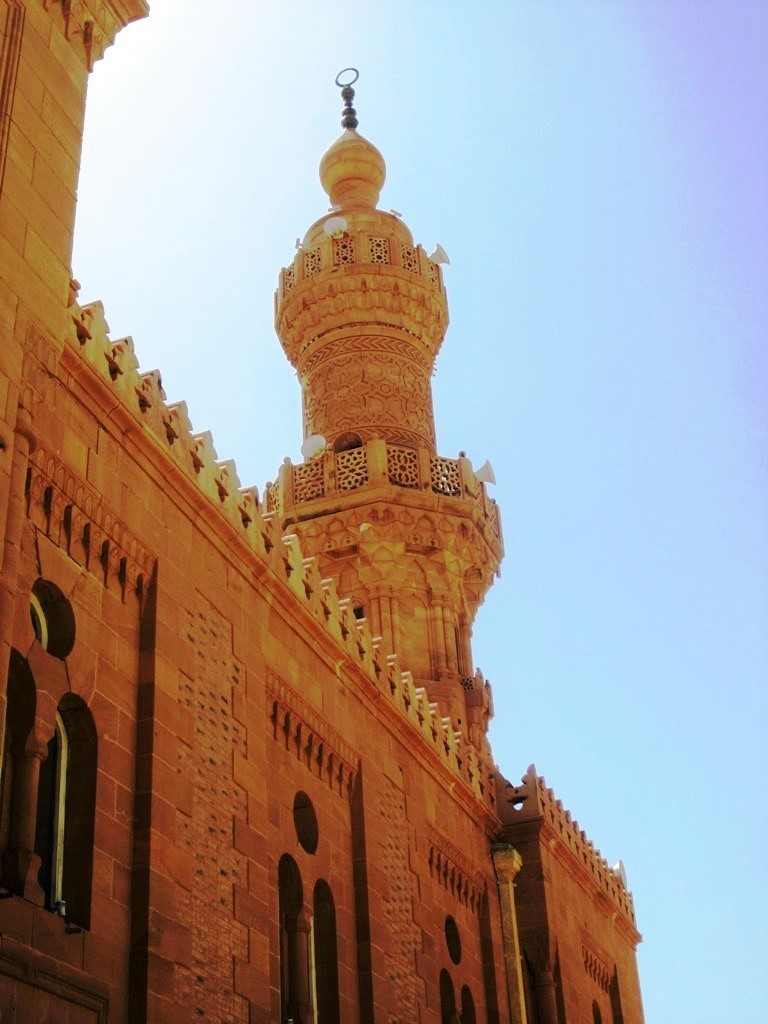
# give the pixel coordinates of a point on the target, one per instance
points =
(410, 536)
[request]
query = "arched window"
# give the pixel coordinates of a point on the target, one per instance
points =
(447, 999)
(51, 811)
(597, 1017)
(66, 805)
(18, 784)
(294, 945)
(468, 1015)
(325, 955)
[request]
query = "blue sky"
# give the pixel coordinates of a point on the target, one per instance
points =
(598, 173)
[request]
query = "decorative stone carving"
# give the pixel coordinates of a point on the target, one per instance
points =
(97, 22)
(367, 385)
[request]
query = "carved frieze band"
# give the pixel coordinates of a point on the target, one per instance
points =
(453, 871)
(365, 345)
(596, 967)
(77, 519)
(313, 742)
(10, 49)
(322, 305)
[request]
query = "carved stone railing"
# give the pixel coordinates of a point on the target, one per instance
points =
(377, 463)
(349, 250)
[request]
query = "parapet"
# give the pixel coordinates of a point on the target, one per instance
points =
(533, 801)
(361, 278)
(376, 463)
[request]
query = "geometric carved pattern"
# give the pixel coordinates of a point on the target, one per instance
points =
(208, 694)
(289, 278)
(379, 250)
(343, 250)
(451, 869)
(312, 261)
(402, 466)
(274, 498)
(351, 469)
(405, 437)
(410, 258)
(445, 476)
(308, 480)
(369, 385)
(433, 274)
(365, 346)
(405, 937)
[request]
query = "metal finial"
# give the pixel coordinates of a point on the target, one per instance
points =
(348, 114)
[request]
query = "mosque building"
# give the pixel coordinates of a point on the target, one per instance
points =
(245, 772)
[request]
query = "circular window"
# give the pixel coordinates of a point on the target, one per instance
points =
(52, 619)
(452, 940)
(305, 822)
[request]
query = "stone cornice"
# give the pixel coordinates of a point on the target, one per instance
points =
(362, 297)
(95, 23)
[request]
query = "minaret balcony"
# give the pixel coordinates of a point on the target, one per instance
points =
(333, 481)
(359, 250)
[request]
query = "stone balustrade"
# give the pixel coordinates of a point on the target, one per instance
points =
(358, 249)
(375, 464)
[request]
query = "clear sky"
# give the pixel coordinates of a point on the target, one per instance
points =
(598, 173)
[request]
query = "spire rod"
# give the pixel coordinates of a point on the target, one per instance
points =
(345, 80)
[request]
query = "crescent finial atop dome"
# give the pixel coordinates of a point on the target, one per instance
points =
(352, 170)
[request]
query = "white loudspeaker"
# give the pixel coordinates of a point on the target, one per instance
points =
(313, 445)
(439, 255)
(485, 474)
(335, 226)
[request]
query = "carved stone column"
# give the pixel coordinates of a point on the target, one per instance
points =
(507, 863)
(21, 863)
(299, 1006)
(538, 952)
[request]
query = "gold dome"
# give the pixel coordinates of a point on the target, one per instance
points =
(352, 171)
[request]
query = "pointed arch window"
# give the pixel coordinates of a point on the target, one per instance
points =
(325, 955)
(294, 944)
(51, 817)
(66, 806)
(18, 784)
(447, 999)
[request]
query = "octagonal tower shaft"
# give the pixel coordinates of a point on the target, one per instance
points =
(361, 312)
(411, 537)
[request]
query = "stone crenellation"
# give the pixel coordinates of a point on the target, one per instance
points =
(141, 396)
(533, 799)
